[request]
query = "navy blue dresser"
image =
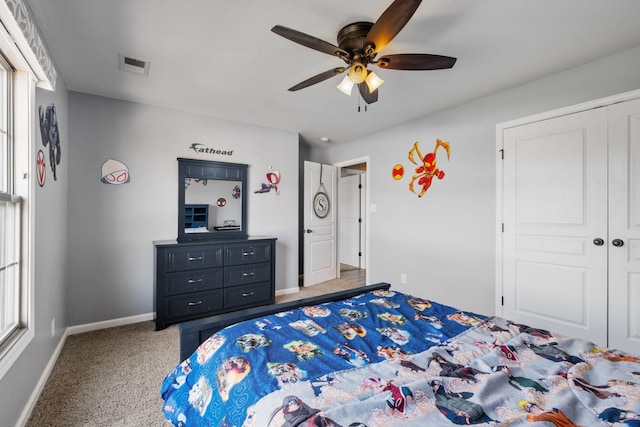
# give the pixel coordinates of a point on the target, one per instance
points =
(204, 278)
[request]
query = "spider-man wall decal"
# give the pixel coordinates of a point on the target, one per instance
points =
(426, 168)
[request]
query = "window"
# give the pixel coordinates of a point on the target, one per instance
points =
(19, 74)
(10, 206)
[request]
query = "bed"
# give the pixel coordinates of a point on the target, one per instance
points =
(373, 356)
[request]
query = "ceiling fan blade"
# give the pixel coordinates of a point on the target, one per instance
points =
(390, 23)
(310, 41)
(415, 61)
(368, 96)
(318, 78)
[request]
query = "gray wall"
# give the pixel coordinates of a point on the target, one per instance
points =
(111, 227)
(49, 240)
(445, 241)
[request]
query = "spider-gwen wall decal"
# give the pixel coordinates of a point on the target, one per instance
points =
(50, 135)
(114, 172)
(273, 180)
(426, 168)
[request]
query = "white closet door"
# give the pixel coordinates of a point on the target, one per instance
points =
(554, 208)
(624, 215)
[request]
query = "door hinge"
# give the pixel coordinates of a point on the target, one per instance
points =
(360, 186)
(502, 154)
(502, 300)
(359, 219)
(503, 227)
(359, 253)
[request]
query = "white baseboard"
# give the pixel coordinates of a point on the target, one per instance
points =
(71, 330)
(287, 291)
(33, 399)
(88, 327)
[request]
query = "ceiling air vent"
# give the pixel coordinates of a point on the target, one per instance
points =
(133, 65)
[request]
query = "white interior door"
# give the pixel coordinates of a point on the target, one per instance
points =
(624, 226)
(350, 221)
(320, 256)
(554, 270)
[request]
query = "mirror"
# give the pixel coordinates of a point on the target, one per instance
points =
(212, 200)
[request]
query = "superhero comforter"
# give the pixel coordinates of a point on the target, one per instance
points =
(386, 358)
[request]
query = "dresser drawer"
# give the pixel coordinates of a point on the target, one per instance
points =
(193, 257)
(247, 295)
(247, 253)
(193, 281)
(245, 274)
(196, 303)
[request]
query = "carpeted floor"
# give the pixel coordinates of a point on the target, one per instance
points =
(109, 377)
(319, 289)
(112, 377)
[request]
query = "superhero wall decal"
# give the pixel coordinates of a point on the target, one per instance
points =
(114, 172)
(425, 167)
(273, 181)
(50, 137)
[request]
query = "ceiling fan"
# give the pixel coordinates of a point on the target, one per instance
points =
(358, 45)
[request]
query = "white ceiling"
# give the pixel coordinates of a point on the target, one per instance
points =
(219, 57)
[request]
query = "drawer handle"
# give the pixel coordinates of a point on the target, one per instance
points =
(248, 274)
(248, 253)
(195, 281)
(195, 258)
(250, 294)
(194, 303)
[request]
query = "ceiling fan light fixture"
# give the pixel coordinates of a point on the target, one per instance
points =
(373, 81)
(358, 73)
(346, 85)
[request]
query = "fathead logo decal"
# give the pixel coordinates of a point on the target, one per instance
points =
(200, 148)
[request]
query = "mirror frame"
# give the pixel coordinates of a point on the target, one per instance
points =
(211, 170)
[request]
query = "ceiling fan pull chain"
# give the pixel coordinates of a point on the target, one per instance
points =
(365, 106)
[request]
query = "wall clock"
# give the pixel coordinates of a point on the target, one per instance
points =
(321, 204)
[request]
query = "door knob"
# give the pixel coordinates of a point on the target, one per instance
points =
(618, 243)
(309, 231)
(598, 241)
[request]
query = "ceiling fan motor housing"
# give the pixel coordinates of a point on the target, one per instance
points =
(351, 38)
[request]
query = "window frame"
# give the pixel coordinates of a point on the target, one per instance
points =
(9, 215)
(22, 131)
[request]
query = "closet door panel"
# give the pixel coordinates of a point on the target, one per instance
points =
(624, 227)
(554, 206)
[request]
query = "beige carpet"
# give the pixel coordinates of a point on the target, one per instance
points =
(334, 285)
(112, 377)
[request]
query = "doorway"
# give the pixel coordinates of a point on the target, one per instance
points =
(352, 220)
(335, 245)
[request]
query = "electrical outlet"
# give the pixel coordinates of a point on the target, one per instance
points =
(53, 327)
(403, 278)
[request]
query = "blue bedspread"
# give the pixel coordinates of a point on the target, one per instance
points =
(385, 358)
(244, 362)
